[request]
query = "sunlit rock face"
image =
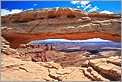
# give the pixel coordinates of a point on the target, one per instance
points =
(59, 23)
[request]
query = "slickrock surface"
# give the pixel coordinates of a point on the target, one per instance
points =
(66, 23)
(109, 70)
(16, 69)
(93, 69)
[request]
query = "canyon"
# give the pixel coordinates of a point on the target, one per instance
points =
(22, 60)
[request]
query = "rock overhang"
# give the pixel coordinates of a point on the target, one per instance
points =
(60, 23)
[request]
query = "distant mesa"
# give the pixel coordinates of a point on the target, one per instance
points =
(65, 40)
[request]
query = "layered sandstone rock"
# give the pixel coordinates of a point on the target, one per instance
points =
(7, 50)
(114, 60)
(15, 69)
(58, 23)
(94, 75)
(109, 70)
(34, 52)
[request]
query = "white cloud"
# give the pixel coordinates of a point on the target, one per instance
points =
(34, 4)
(85, 5)
(78, 6)
(84, 2)
(88, 6)
(93, 9)
(106, 11)
(80, 3)
(75, 2)
(96, 40)
(6, 12)
(30, 9)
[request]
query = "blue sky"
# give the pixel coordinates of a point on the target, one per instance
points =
(10, 7)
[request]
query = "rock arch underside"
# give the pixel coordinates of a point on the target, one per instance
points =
(60, 23)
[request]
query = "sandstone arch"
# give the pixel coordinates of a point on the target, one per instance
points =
(27, 26)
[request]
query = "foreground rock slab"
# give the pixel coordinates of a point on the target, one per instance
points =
(14, 69)
(109, 70)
